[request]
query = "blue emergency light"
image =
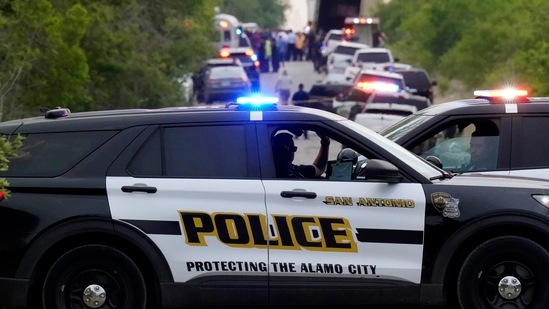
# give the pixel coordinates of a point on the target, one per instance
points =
(256, 103)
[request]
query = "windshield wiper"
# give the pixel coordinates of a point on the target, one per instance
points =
(444, 175)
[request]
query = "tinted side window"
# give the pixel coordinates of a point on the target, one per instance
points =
(534, 149)
(374, 57)
(52, 154)
(416, 80)
(201, 151)
(345, 50)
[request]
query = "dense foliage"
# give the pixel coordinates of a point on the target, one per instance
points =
(99, 54)
(482, 44)
(268, 14)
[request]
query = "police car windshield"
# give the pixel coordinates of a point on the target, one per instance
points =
(415, 162)
(400, 128)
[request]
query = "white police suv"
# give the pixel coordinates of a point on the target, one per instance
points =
(182, 207)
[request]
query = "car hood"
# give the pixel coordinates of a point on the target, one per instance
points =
(502, 181)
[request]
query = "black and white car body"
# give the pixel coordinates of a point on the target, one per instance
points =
(445, 130)
(181, 207)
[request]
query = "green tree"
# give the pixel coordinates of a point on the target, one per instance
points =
(99, 54)
(268, 14)
(490, 43)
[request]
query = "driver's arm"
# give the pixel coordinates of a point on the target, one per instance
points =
(321, 160)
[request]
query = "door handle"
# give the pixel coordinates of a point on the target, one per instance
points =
(305, 194)
(142, 188)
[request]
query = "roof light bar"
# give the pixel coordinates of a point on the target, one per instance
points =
(257, 100)
(378, 86)
(507, 93)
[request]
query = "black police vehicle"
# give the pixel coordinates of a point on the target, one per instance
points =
(182, 207)
(509, 123)
(418, 81)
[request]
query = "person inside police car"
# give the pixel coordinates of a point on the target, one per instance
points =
(483, 147)
(284, 153)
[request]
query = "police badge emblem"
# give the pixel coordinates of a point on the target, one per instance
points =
(447, 205)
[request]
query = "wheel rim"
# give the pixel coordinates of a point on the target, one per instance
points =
(93, 289)
(509, 285)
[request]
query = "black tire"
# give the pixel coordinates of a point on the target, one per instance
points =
(103, 269)
(507, 257)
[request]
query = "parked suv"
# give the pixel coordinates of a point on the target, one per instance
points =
(209, 207)
(418, 81)
(512, 129)
(341, 56)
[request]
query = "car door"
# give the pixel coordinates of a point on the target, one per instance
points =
(324, 230)
(198, 202)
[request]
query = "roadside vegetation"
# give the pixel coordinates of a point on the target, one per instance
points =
(470, 43)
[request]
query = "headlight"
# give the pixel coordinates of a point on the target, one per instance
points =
(542, 199)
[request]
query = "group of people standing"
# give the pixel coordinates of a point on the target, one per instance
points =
(275, 48)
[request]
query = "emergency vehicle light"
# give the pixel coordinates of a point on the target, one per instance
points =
(224, 53)
(249, 52)
(255, 103)
(505, 95)
(378, 86)
(223, 24)
(257, 100)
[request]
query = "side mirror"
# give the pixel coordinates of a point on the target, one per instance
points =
(434, 82)
(380, 170)
(348, 61)
(435, 161)
(396, 60)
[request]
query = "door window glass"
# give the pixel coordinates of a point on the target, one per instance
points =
(466, 146)
(533, 143)
(200, 151)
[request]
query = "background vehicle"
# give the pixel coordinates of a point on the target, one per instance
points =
(360, 96)
(377, 116)
(226, 83)
(418, 81)
(331, 14)
(231, 34)
(445, 130)
(249, 61)
(322, 93)
(341, 56)
(200, 76)
(370, 59)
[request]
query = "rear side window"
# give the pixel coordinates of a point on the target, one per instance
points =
(374, 57)
(416, 79)
(52, 154)
(335, 37)
(345, 50)
(534, 149)
(193, 152)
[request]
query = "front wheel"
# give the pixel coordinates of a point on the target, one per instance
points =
(94, 276)
(505, 272)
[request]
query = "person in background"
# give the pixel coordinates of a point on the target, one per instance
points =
(299, 47)
(275, 60)
(283, 86)
(290, 47)
(268, 55)
(281, 43)
(301, 98)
